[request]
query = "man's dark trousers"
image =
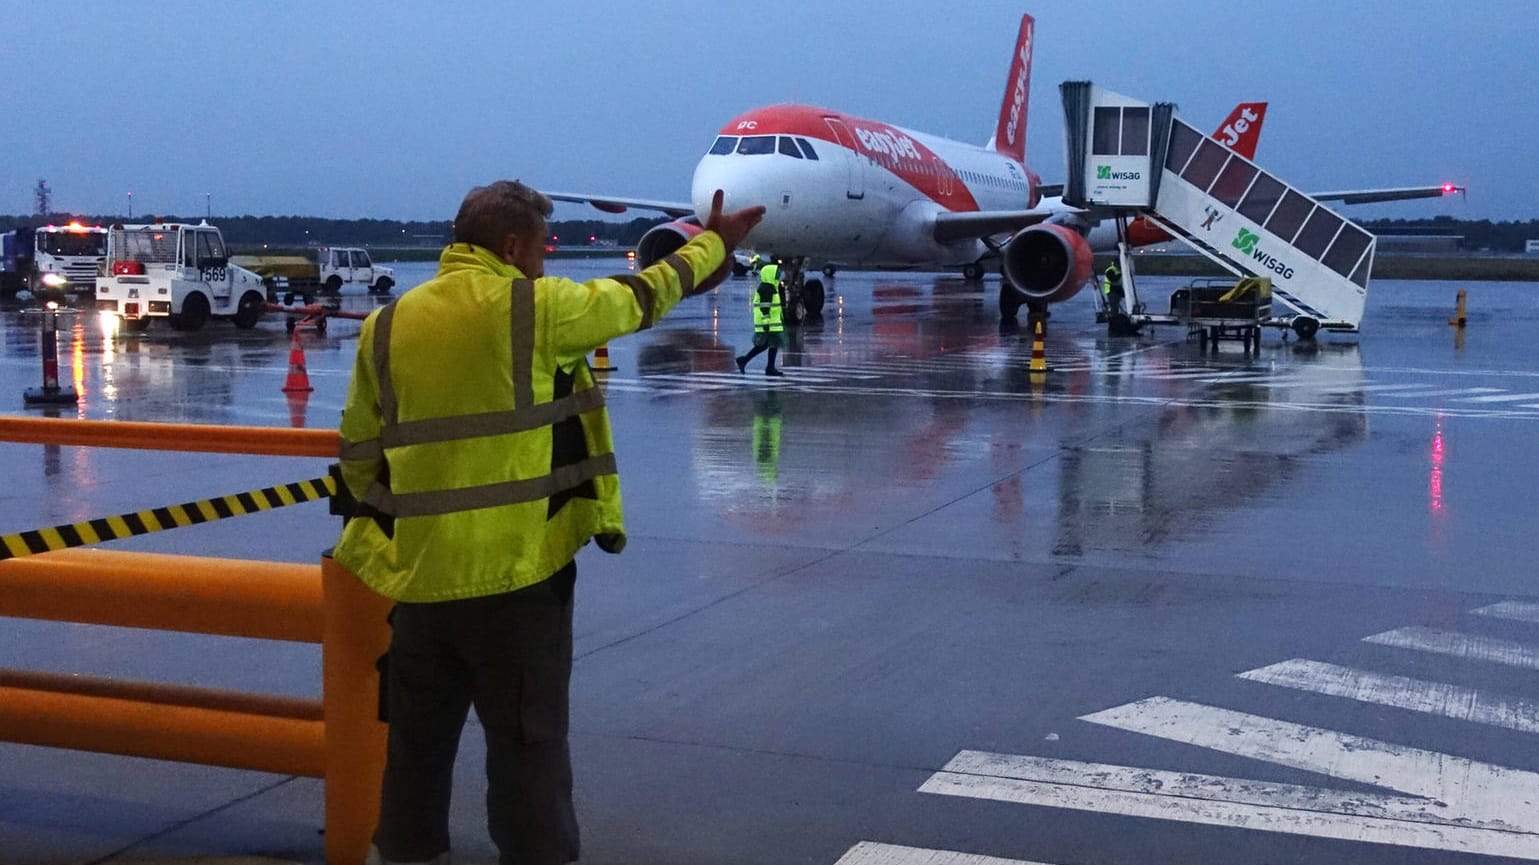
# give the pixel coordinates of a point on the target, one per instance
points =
(511, 656)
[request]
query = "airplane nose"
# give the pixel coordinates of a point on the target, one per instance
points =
(726, 173)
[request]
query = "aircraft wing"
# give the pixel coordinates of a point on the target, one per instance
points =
(614, 204)
(971, 225)
(1370, 196)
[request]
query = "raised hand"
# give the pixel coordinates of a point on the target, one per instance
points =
(734, 226)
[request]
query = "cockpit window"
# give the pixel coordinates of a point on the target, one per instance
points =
(724, 145)
(807, 148)
(789, 148)
(756, 145)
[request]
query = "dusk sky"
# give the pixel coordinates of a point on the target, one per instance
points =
(394, 110)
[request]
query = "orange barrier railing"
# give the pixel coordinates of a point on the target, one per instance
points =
(337, 738)
(201, 438)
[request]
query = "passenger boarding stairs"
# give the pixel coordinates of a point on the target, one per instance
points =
(1129, 158)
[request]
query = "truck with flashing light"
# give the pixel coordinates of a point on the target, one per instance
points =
(52, 261)
(178, 272)
(326, 269)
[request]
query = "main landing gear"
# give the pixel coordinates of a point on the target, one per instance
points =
(804, 297)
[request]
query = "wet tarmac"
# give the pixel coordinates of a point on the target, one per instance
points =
(1163, 605)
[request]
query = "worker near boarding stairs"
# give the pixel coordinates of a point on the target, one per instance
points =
(1112, 289)
(480, 456)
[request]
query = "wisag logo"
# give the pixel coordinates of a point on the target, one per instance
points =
(1104, 172)
(1247, 242)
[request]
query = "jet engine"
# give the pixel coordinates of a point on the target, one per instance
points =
(663, 240)
(1046, 263)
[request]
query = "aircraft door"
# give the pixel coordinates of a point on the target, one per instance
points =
(855, 163)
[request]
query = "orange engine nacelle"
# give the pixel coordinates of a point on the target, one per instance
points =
(663, 240)
(1047, 263)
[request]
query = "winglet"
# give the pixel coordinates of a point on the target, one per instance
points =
(1241, 130)
(1010, 133)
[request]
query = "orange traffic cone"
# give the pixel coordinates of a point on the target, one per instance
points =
(299, 379)
(601, 359)
(1038, 351)
(298, 402)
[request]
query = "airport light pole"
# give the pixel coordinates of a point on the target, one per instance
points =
(130, 205)
(208, 205)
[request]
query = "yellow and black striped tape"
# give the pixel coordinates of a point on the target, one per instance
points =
(159, 519)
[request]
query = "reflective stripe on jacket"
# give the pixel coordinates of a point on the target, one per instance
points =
(768, 315)
(473, 436)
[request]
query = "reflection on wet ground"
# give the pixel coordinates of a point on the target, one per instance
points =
(911, 546)
(909, 401)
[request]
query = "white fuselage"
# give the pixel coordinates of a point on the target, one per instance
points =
(867, 200)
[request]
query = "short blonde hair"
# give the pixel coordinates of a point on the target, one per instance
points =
(490, 213)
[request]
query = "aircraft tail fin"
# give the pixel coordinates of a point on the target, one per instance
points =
(1241, 130)
(1010, 133)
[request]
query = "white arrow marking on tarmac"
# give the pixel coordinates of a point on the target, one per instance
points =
(1468, 646)
(1513, 610)
(1401, 692)
(1218, 801)
(872, 853)
(1483, 794)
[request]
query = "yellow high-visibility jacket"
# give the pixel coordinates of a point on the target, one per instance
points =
(768, 315)
(473, 436)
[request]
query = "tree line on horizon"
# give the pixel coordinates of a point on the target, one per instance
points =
(306, 231)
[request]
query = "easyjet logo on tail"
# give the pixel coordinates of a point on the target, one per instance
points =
(1018, 95)
(1241, 130)
(1010, 133)
(1233, 131)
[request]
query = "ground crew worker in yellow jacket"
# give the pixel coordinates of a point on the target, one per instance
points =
(479, 453)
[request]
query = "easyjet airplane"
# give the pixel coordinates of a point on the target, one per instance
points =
(844, 191)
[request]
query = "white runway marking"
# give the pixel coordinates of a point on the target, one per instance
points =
(1201, 374)
(1513, 610)
(872, 853)
(1416, 695)
(1506, 397)
(1456, 391)
(1372, 388)
(1468, 646)
(826, 380)
(1220, 801)
(1483, 793)
(630, 385)
(1259, 378)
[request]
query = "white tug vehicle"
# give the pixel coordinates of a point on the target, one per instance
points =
(178, 272)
